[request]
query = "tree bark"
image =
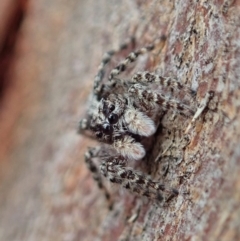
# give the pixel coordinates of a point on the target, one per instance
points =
(46, 191)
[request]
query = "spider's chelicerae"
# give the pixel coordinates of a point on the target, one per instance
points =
(122, 113)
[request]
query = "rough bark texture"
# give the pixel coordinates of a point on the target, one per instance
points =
(47, 193)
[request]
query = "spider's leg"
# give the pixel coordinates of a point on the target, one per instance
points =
(89, 155)
(133, 56)
(168, 82)
(148, 98)
(105, 60)
(116, 171)
(83, 125)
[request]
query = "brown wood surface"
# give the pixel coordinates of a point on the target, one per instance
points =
(7, 8)
(46, 191)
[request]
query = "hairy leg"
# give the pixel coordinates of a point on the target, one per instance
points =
(116, 171)
(149, 99)
(89, 155)
(105, 60)
(133, 56)
(172, 83)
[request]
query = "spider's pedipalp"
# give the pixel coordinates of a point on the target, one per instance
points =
(129, 148)
(139, 123)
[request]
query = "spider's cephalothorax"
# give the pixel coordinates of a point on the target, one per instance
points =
(121, 114)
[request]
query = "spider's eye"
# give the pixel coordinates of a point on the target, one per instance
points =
(112, 107)
(113, 118)
(108, 108)
(107, 128)
(99, 134)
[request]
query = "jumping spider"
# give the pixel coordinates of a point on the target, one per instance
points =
(121, 114)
